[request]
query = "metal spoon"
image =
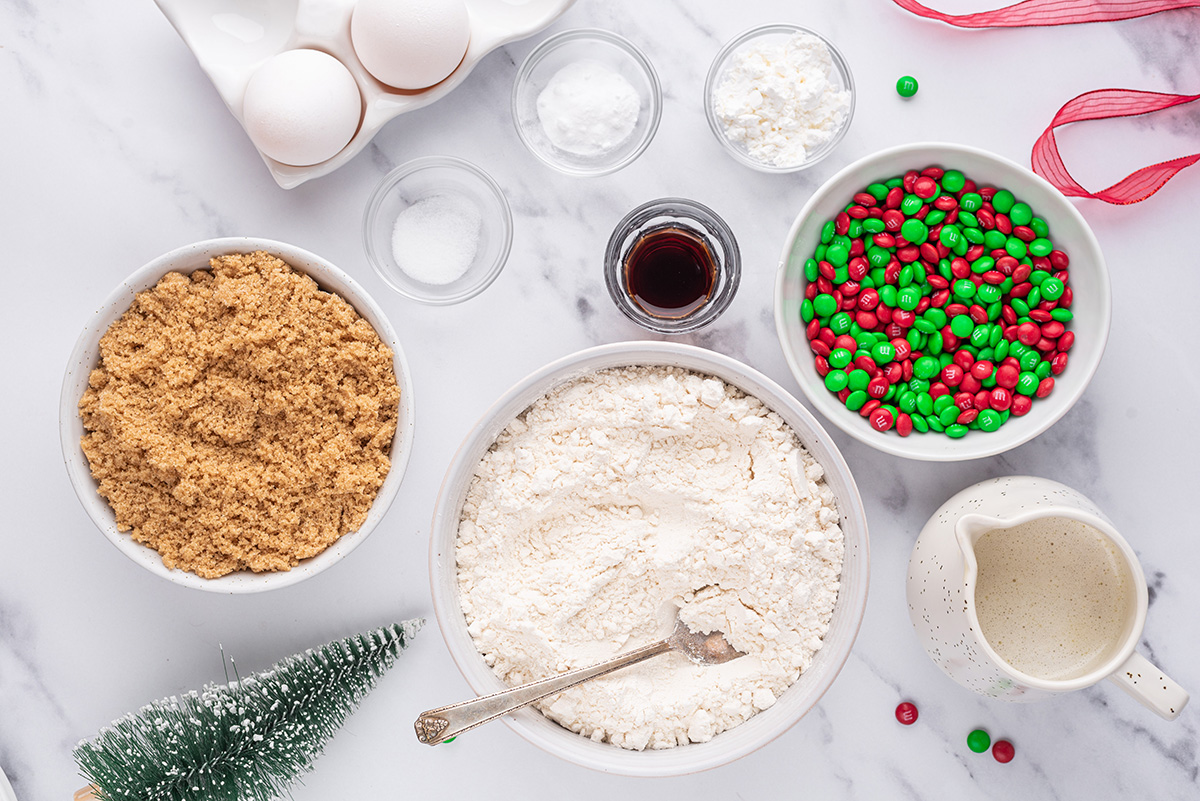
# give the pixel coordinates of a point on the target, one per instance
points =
(438, 725)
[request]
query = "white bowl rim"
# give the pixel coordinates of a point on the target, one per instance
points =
(618, 760)
(962, 450)
(85, 350)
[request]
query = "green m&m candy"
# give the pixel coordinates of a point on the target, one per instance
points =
(907, 86)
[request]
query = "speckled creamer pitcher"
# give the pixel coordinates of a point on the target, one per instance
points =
(942, 576)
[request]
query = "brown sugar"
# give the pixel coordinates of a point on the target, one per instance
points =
(240, 417)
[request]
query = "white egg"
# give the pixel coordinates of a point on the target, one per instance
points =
(410, 44)
(301, 107)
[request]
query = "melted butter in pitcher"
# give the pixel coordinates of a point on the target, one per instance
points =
(1053, 596)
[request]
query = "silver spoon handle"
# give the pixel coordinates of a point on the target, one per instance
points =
(438, 725)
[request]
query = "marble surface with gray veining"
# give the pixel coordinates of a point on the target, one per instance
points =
(116, 148)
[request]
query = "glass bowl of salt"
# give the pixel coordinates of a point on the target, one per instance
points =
(438, 230)
(586, 102)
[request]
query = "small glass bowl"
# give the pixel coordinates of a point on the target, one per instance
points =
(777, 33)
(557, 52)
(427, 177)
(673, 212)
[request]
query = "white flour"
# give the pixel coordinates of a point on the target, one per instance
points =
(626, 494)
(778, 102)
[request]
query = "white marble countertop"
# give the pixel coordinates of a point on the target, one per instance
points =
(116, 148)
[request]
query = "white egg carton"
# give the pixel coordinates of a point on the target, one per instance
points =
(232, 38)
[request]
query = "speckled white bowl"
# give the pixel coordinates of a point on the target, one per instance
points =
(86, 356)
(728, 745)
(1092, 304)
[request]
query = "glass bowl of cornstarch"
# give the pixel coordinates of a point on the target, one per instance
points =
(779, 98)
(586, 102)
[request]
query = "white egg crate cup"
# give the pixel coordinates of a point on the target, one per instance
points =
(233, 38)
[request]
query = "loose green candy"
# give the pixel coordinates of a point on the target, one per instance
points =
(1027, 383)
(905, 277)
(935, 342)
(1034, 297)
(837, 255)
(892, 183)
(971, 201)
(914, 231)
(806, 310)
(926, 367)
(878, 191)
(950, 236)
(887, 294)
(883, 352)
(825, 305)
(874, 225)
(907, 401)
(858, 380)
(1052, 289)
(988, 293)
(935, 316)
(910, 205)
(956, 431)
(1041, 247)
(972, 235)
(934, 217)
(1015, 248)
(979, 741)
(812, 270)
(1003, 201)
(979, 336)
(1001, 350)
(1039, 227)
(1043, 369)
(953, 180)
(949, 414)
(962, 326)
(935, 424)
(919, 424)
(907, 86)
(1029, 359)
(993, 239)
(1062, 315)
(840, 357)
(1020, 214)
(989, 420)
(827, 231)
(840, 323)
(942, 403)
(835, 381)
(908, 298)
(964, 288)
(856, 400)
(924, 403)
(918, 385)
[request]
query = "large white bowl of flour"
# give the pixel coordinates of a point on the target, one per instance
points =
(792, 703)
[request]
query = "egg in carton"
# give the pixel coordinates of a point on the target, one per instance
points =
(236, 40)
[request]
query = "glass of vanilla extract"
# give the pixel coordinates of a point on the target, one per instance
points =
(672, 265)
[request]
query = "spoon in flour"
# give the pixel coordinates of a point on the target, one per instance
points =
(441, 724)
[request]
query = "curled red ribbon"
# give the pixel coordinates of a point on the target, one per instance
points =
(1051, 12)
(1097, 105)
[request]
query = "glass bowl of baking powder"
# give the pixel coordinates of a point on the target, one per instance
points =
(779, 98)
(586, 102)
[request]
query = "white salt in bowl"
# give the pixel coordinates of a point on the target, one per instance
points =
(729, 745)
(429, 178)
(86, 356)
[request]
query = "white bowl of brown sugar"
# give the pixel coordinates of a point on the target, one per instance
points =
(237, 416)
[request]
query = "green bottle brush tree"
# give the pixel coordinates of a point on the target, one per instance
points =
(242, 741)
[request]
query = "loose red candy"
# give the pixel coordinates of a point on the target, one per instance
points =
(906, 712)
(881, 419)
(1003, 751)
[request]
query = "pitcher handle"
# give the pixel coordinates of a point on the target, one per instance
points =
(1150, 686)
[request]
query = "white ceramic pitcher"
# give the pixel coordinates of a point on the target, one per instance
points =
(942, 576)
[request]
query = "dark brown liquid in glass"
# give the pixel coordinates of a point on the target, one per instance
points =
(670, 272)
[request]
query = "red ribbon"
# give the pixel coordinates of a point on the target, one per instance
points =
(1051, 12)
(1097, 105)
